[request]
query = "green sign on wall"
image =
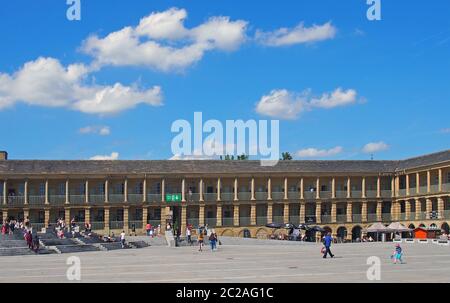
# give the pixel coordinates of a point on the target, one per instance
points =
(173, 197)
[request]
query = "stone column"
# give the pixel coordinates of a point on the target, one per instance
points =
(302, 211)
(349, 211)
(125, 190)
(4, 215)
(349, 187)
(393, 187)
(253, 214)
(67, 217)
(144, 216)
(219, 215)
(126, 219)
(164, 212)
(440, 205)
(183, 190)
(286, 212)
(379, 211)
(302, 189)
(25, 190)
(252, 189)
(5, 193)
(201, 214)
(269, 212)
(333, 188)
(269, 189)
(418, 208)
(286, 188)
(201, 190)
(378, 187)
(106, 219)
(363, 188)
(46, 217)
(107, 191)
(46, 199)
(163, 198)
(333, 212)
(318, 188)
(407, 209)
(428, 181)
(236, 189)
(407, 185)
(440, 180)
(364, 211)
(318, 212)
(26, 213)
(87, 214)
(417, 183)
(67, 192)
(219, 187)
(183, 219)
(144, 191)
(236, 214)
(394, 212)
(429, 205)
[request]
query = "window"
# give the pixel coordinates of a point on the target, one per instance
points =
(448, 177)
(61, 189)
(139, 189)
(42, 189)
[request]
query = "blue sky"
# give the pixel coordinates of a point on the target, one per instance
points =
(398, 70)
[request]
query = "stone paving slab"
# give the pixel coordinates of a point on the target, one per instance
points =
(237, 263)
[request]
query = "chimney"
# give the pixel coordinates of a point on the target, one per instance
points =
(3, 155)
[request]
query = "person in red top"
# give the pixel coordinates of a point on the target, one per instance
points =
(148, 227)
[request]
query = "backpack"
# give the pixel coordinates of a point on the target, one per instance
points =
(212, 237)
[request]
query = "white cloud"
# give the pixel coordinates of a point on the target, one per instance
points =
(296, 35)
(445, 130)
(315, 153)
(375, 147)
(113, 156)
(161, 41)
(98, 130)
(283, 104)
(46, 82)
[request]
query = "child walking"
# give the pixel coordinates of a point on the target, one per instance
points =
(397, 256)
(200, 240)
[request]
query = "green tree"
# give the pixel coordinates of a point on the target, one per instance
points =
(286, 156)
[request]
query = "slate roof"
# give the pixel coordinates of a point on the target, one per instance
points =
(214, 166)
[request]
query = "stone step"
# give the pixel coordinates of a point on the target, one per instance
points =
(62, 249)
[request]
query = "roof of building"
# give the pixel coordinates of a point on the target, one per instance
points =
(214, 166)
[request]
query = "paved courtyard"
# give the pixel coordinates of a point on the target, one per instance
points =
(237, 263)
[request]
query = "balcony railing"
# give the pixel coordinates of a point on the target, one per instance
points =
(446, 187)
(356, 194)
(386, 193)
(244, 196)
(341, 218)
(325, 194)
(227, 196)
(57, 199)
(154, 222)
(278, 219)
(153, 198)
(261, 196)
(422, 216)
(423, 189)
(36, 200)
(325, 219)
(137, 224)
(341, 194)
(244, 221)
(115, 224)
(80, 199)
(402, 192)
(293, 195)
(98, 225)
(227, 221)
(96, 199)
(371, 193)
(212, 222)
(446, 214)
(135, 198)
(356, 218)
(402, 217)
(372, 218)
(294, 219)
(16, 200)
(277, 195)
(192, 197)
(386, 217)
(262, 220)
(210, 197)
(309, 195)
(310, 219)
(116, 198)
(434, 188)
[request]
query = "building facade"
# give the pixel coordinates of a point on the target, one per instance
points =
(232, 196)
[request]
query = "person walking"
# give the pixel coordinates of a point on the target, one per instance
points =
(213, 240)
(398, 253)
(327, 242)
(148, 227)
(188, 235)
(200, 240)
(122, 238)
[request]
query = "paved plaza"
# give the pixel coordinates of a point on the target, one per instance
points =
(237, 263)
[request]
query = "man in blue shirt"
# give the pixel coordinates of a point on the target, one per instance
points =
(327, 241)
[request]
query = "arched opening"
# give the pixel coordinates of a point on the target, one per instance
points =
(341, 234)
(422, 225)
(445, 228)
(261, 234)
(356, 233)
(228, 233)
(245, 233)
